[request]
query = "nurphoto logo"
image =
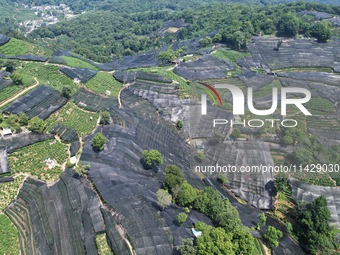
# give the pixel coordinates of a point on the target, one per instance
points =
(239, 105)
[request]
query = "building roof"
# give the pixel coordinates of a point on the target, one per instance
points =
(6, 131)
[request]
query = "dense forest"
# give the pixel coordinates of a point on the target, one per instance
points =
(129, 6)
(102, 35)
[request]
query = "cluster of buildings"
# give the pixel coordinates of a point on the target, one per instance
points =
(46, 14)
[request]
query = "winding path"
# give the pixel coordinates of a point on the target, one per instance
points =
(19, 93)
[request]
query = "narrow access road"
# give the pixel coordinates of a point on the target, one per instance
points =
(19, 93)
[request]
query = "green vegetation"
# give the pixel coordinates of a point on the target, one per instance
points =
(220, 241)
(320, 106)
(322, 31)
(262, 218)
(164, 198)
(8, 191)
(167, 72)
(46, 74)
(75, 62)
(103, 247)
(272, 236)
(151, 156)
(98, 142)
(82, 169)
(9, 236)
(173, 177)
(236, 133)
(181, 218)
(36, 125)
(104, 118)
(267, 90)
(312, 227)
(31, 159)
(72, 116)
(187, 247)
(179, 124)
(229, 55)
(103, 82)
(17, 47)
(232, 235)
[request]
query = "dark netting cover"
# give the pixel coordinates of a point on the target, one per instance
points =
(296, 53)
(66, 133)
(4, 166)
(4, 82)
(206, 67)
(256, 80)
(6, 179)
(93, 102)
(41, 102)
(125, 77)
(129, 77)
(249, 215)
(256, 188)
(75, 147)
(22, 140)
(146, 59)
(302, 192)
(335, 21)
(249, 62)
(62, 218)
(3, 39)
(116, 242)
(317, 15)
(192, 45)
(26, 57)
(81, 74)
(57, 60)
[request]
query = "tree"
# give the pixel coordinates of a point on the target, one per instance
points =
(186, 195)
(214, 241)
(17, 78)
(98, 142)
(179, 124)
(322, 31)
(187, 247)
(287, 140)
(288, 25)
(243, 241)
(181, 218)
(82, 169)
(67, 92)
(272, 236)
(164, 198)
(205, 42)
(23, 119)
(105, 118)
(173, 177)
(9, 64)
(289, 227)
(152, 156)
(36, 125)
(236, 133)
(200, 157)
(262, 218)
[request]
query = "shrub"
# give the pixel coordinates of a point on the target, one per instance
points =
(98, 142)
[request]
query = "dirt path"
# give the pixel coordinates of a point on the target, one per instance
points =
(19, 93)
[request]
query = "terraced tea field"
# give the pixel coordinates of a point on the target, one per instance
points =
(103, 82)
(72, 116)
(75, 62)
(17, 47)
(30, 160)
